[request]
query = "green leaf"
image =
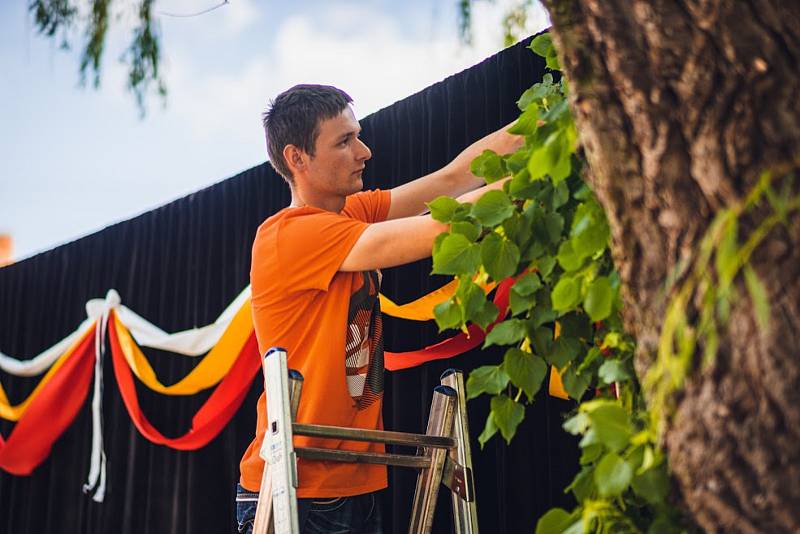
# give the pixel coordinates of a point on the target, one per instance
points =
(575, 383)
(527, 284)
(448, 315)
(506, 333)
(562, 166)
(583, 193)
(520, 185)
(758, 294)
(474, 304)
(591, 453)
(725, 257)
(526, 371)
(582, 485)
(599, 299)
(542, 340)
(463, 212)
(611, 424)
(442, 208)
(567, 258)
(555, 521)
(486, 379)
(517, 161)
(456, 255)
(519, 303)
(554, 224)
(526, 123)
(577, 424)
(500, 256)
(613, 371)
(437, 243)
(493, 208)
(612, 475)
(469, 230)
(527, 98)
(489, 165)
(590, 230)
(576, 325)
(592, 355)
(508, 414)
(552, 61)
(565, 294)
(540, 163)
(652, 485)
(545, 266)
(517, 230)
(565, 349)
(542, 44)
(560, 194)
(489, 430)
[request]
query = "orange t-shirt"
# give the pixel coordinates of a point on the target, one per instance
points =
(329, 323)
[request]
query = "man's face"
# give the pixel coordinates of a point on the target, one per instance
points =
(339, 156)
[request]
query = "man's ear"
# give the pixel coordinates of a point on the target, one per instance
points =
(295, 158)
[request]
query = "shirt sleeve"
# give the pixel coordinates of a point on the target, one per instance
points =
(312, 247)
(368, 206)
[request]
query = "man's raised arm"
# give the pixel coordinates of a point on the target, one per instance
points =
(453, 179)
(400, 241)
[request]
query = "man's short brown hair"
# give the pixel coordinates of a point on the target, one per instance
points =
(294, 117)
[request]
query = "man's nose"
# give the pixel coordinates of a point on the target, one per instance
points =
(364, 152)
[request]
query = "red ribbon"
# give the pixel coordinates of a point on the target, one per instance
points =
(455, 345)
(50, 412)
(215, 412)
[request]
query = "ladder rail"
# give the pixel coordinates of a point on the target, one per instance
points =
(440, 423)
(366, 457)
(465, 510)
(378, 436)
(443, 452)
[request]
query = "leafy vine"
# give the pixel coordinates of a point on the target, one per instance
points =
(547, 231)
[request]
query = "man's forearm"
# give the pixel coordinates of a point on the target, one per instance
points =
(454, 179)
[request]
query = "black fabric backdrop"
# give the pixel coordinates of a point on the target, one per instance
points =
(181, 264)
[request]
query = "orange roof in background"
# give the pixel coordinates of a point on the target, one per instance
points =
(6, 249)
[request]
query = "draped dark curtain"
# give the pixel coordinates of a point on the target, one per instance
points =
(181, 264)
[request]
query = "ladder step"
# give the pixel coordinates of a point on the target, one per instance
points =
(379, 436)
(335, 455)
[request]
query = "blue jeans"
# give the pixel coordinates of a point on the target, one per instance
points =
(359, 514)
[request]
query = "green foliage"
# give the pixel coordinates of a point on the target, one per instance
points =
(56, 18)
(547, 232)
(708, 287)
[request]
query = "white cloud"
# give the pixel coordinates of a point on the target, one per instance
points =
(355, 47)
(232, 17)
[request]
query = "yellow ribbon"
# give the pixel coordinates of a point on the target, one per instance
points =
(14, 413)
(422, 308)
(211, 369)
(556, 387)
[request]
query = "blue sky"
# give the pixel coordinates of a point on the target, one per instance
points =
(73, 160)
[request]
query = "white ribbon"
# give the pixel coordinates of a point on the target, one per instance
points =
(193, 342)
(96, 481)
(42, 362)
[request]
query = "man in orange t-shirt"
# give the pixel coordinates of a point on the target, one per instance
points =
(315, 284)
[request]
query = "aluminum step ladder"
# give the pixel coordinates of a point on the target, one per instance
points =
(443, 452)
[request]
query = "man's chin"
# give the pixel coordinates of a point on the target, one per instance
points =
(358, 185)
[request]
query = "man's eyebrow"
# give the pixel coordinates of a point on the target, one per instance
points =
(347, 135)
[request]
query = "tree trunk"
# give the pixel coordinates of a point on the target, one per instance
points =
(680, 106)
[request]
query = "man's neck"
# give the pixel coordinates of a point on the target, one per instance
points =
(327, 203)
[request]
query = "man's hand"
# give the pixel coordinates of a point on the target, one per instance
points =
(454, 179)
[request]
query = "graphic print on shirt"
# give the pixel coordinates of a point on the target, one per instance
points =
(364, 344)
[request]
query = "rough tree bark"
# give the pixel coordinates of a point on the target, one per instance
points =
(680, 105)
